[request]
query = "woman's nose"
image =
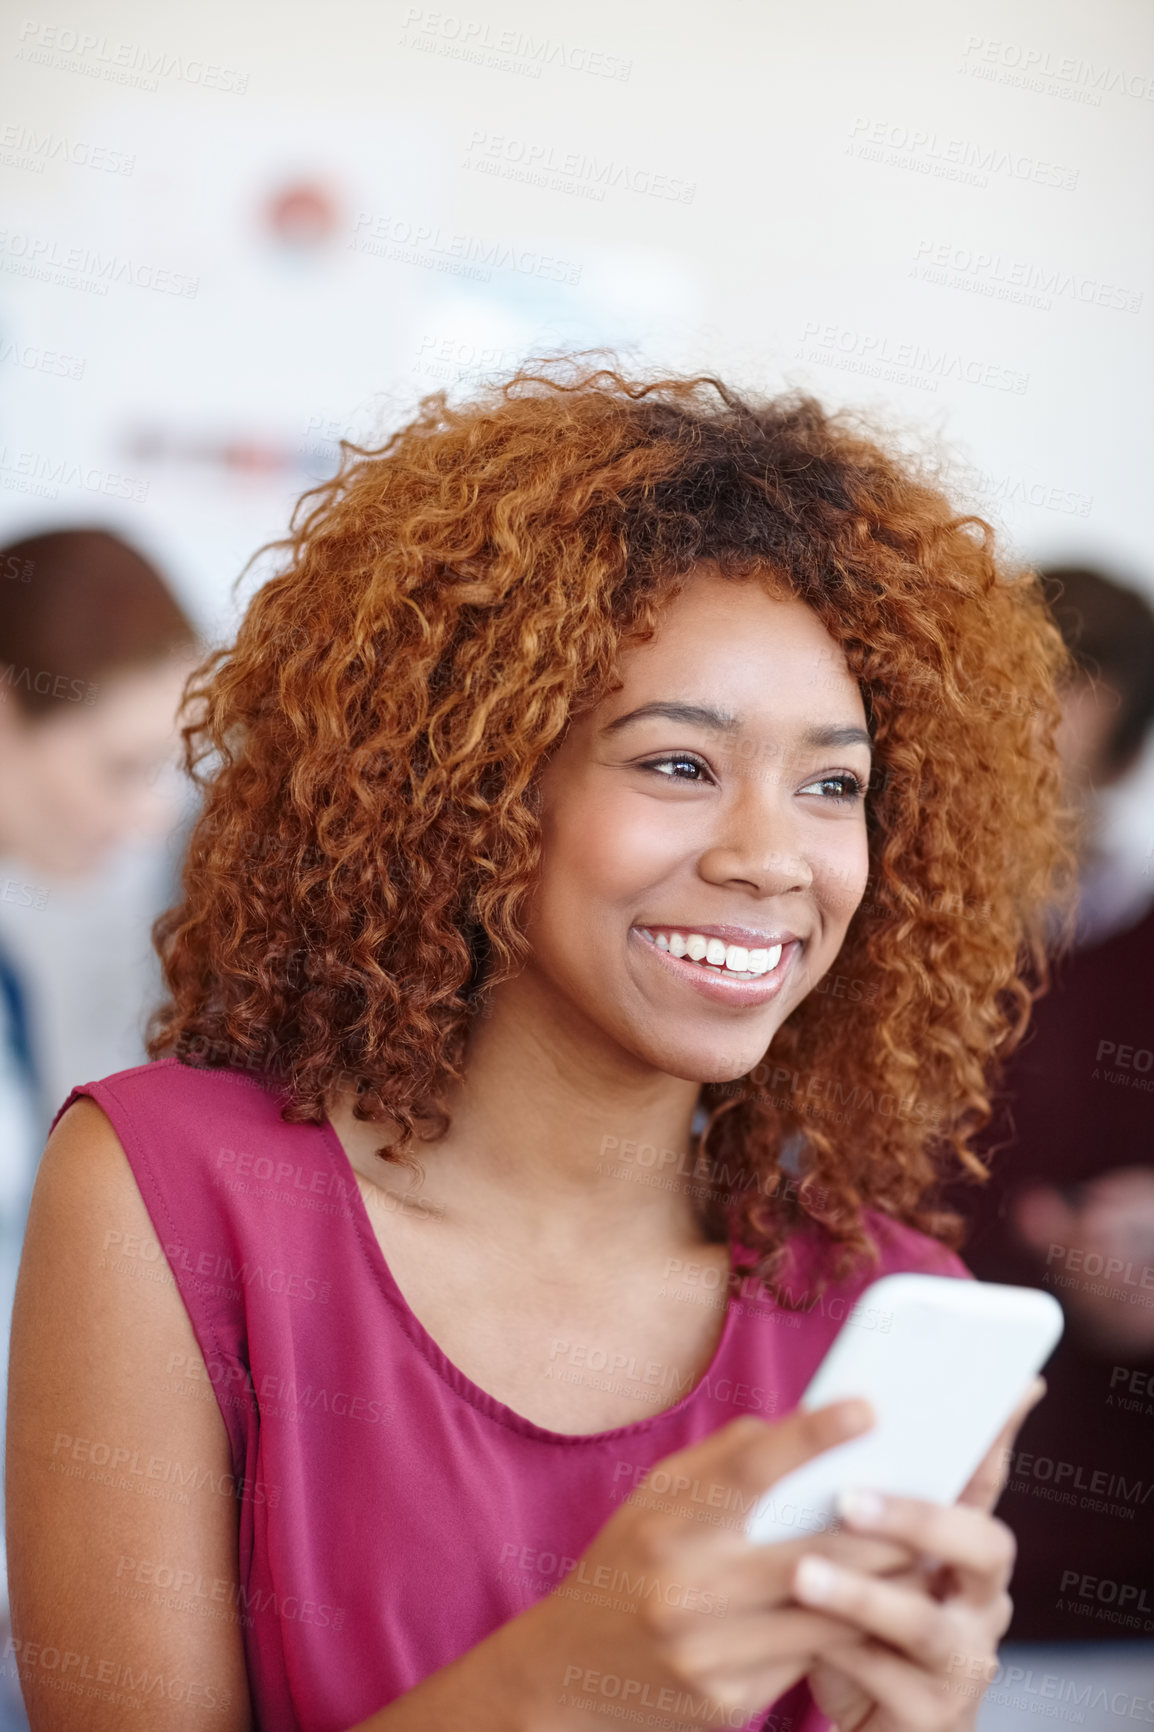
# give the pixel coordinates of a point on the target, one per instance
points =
(758, 839)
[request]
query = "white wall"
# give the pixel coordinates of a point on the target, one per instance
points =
(784, 181)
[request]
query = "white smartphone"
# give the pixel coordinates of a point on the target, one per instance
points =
(943, 1363)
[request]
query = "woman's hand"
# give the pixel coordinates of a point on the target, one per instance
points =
(932, 1632)
(675, 1610)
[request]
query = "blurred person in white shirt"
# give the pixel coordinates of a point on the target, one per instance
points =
(94, 653)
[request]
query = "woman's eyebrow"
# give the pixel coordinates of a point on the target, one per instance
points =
(722, 722)
(697, 715)
(838, 736)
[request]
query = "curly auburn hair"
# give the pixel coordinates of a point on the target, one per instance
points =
(355, 884)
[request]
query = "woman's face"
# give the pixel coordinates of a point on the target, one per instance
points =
(744, 813)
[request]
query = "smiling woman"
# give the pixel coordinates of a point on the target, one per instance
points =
(654, 846)
(574, 729)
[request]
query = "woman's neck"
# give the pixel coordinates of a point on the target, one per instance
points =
(557, 1138)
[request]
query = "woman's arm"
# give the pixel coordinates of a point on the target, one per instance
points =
(95, 1434)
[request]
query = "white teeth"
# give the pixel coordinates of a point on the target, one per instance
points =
(735, 958)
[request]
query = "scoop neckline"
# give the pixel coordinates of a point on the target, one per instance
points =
(462, 1385)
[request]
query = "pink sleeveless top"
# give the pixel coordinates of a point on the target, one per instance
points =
(392, 1514)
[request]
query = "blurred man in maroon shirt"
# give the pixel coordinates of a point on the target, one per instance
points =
(1070, 1205)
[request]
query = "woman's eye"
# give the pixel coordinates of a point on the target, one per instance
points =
(849, 787)
(657, 765)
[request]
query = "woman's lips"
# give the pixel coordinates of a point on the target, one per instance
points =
(714, 983)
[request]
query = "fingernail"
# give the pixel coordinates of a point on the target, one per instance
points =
(862, 1508)
(815, 1579)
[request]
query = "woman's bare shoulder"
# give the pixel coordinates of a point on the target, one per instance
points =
(84, 1139)
(115, 1472)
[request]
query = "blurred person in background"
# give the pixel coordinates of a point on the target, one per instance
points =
(1107, 711)
(1070, 1204)
(94, 652)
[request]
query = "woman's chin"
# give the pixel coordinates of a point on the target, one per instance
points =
(692, 1064)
